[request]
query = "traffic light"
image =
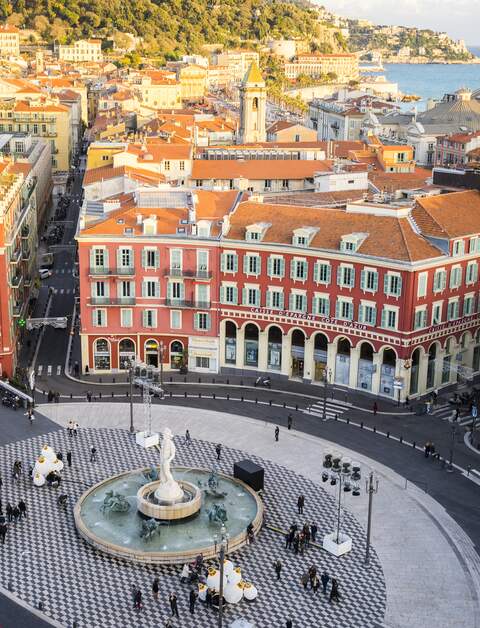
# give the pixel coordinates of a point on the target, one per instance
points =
(22, 322)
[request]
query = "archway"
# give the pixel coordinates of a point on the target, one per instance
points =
(176, 354)
(320, 357)
(151, 352)
(476, 353)
(414, 372)
(251, 345)
(447, 360)
(126, 353)
(432, 356)
(387, 372)
(342, 362)
(101, 355)
(230, 342)
(274, 356)
(365, 367)
(298, 353)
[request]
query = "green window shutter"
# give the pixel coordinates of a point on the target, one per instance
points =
(195, 320)
(144, 318)
(222, 294)
(475, 272)
(385, 283)
(316, 272)
(144, 258)
(92, 258)
(119, 257)
(329, 273)
(235, 263)
(144, 288)
(353, 277)
(443, 281)
(316, 305)
(209, 321)
(399, 292)
(259, 265)
(235, 295)
(293, 269)
(105, 258)
(339, 275)
(223, 262)
(245, 263)
(291, 302)
(94, 318)
(361, 313)
(327, 307)
(363, 279)
(169, 290)
(244, 296)
(375, 281)
(282, 267)
(304, 303)
(384, 317)
(182, 291)
(157, 259)
(268, 299)
(269, 266)
(257, 298)
(338, 310)
(281, 301)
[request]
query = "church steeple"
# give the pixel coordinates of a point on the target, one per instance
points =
(253, 102)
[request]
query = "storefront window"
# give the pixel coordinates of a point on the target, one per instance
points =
(274, 357)
(126, 353)
(101, 355)
(251, 352)
(176, 354)
(230, 350)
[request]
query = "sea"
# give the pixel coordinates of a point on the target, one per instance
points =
(433, 80)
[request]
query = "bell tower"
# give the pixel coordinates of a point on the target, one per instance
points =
(253, 103)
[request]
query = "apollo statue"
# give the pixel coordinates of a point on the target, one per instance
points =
(169, 490)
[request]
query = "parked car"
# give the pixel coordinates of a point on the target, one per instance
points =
(44, 273)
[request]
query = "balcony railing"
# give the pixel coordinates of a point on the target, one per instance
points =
(25, 231)
(192, 274)
(16, 256)
(16, 280)
(26, 253)
(199, 305)
(112, 301)
(105, 271)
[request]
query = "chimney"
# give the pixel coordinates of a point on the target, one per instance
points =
(139, 219)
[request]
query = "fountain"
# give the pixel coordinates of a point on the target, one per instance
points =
(167, 514)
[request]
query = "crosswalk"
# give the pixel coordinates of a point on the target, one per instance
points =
(63, 290)
(332, 407)
(447, 413)
(49, 370)
(63, 271)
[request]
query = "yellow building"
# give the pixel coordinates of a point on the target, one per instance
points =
(343, 65)
(395, 158)
(9, 41)
(193, 82)
(45, 119)
(101, 153)
(159, 91)
(81, 51)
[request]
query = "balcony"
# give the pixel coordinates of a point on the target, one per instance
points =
(17, 310)
(112, 301)
(103, 271)
(188, 274)
(16, 280)
(26, 253)
(199, 305)
(25, 231)
(16, 256)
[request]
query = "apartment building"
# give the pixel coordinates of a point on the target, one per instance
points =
(9, 41)
(343, 65)
(81, 51)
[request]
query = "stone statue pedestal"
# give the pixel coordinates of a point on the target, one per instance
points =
(169, 492)
(146, 440)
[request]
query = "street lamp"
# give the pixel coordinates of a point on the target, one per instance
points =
(162, 349)
(371, 487)
(130, 381)
(327, 374)
(452, 446)
(223, 540)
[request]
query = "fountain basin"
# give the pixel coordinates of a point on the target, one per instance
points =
(169, 511)
(178, 541)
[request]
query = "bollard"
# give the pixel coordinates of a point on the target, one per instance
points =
(401, 440)
(10, 585)
(127, 393)
(214, 395)
(100, 394)
(228, 381)
(41, 606)
(185, 394)
(71, 396)
(361, 425)
(114, 380)
(296, 407)
(388, 434)
(171, 378)
(170, 394)
(199, 380)
(199, 395)
(256, 400)
(112, 394)
(284, 404)
(414, 444)
(348, 420)
(43, 393)
(336, 417)
(374, 429)
(228, 397)
(241, 398)
(270, 403)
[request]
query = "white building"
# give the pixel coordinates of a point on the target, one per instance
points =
(80, 51)
(9, 41)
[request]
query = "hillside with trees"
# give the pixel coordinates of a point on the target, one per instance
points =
(168, 27)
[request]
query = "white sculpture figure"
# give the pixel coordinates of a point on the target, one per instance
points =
(169, 490)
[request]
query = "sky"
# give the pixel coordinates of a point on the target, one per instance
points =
(459, 18)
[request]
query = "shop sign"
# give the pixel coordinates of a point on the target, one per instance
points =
(308, 317)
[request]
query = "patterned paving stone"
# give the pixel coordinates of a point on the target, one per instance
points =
(45, 559)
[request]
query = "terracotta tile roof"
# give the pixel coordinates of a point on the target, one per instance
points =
(343, 148)
(21, 105)
(315, 199)
(392, 181)
(389, 237)
(257, 168)
(109, 172)
(280, 125)
(449, 215)
(22, 167)
(214, 205)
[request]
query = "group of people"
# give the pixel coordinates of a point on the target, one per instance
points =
(299, 539)
(429, 449)
(12, 514)
(72, 427)
(53, 396)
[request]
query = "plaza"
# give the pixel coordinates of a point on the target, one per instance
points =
(419, 553)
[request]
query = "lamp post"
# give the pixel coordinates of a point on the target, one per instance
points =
(161, 349)
(224, 536)
(453, 428)
(327, 373)
(130, 381)
(371, 487)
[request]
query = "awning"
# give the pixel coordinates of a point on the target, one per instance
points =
(15, 391)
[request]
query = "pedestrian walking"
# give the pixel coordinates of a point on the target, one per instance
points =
(173, 604)
(70, 428)
(16, 513)
(155, 588)
(432, 450)
(334, 594)
(407, 401)
(315, 584)
(57, 397)
(1, 481)
(375, 408)
(93, 454)
(457, 413)
(22, 507)
(313, 532)
(50, 396)
(75, 428)
(188, 440)
(289, 539)
(312, 574)
(300, 504)
(137, 603)
(325, 578)
(3, 531)
(289, 422)
(218, 449)
(302, 543)
(296, 543)
(306, 533)
(277, 433)
(304, 580)
(208, 598)
(192, 600)
(289, 624)
(69, 458)
(426, 449)
(278, 569)
(31, 416)
(9, 511)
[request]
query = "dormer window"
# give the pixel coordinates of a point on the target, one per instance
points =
(203, 228)
(150, 226)
(300, 240)
(256, 232)
(350, 243)
(253, 235)
(458, 248)
(303, 236)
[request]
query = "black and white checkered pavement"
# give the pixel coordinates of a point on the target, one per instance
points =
(44, 559)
